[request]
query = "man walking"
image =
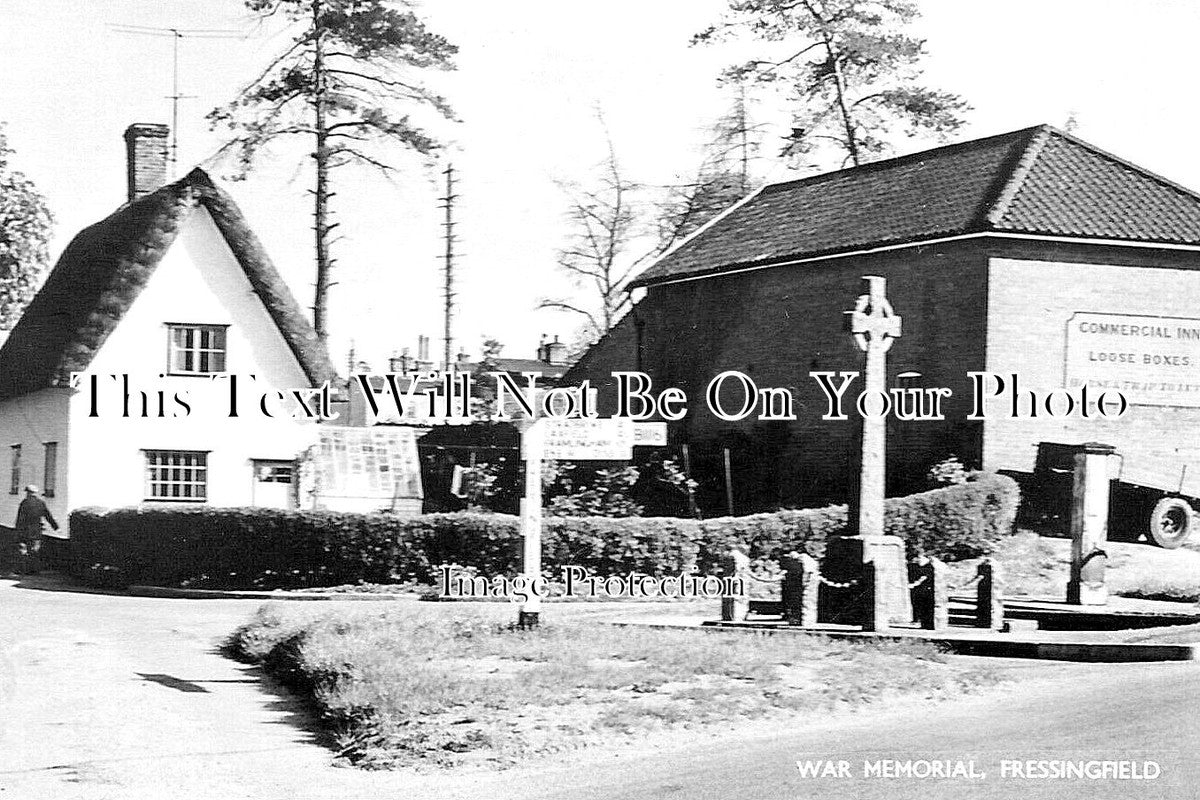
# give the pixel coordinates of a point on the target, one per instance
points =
(30, 514)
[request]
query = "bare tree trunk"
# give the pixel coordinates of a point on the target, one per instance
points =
(840, 86)
(839, 83)
(321, 195)
(743, 134)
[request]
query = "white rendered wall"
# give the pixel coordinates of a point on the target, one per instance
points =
(197, 282)
(31, 421)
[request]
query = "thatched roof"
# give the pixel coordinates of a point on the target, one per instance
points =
(105, 268)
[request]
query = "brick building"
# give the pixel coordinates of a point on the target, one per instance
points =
(1030, 252)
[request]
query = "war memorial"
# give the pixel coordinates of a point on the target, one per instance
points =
(1034, 273)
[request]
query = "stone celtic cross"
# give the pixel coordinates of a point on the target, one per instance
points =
(875, 327)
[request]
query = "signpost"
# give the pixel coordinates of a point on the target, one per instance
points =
(649, 434)
(587, 439)
(531, 519)
(570, 440)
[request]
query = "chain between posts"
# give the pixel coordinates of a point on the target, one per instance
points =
(821, 578)
(835, 584)
(775, 579)
(966, 585)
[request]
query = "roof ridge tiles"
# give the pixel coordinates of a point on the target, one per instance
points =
(1016, 178)
(1032, 181)
(896, 161)
(1124, 162)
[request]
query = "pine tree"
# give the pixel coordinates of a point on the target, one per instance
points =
(850, 69)
(349, 81)
(724, 177)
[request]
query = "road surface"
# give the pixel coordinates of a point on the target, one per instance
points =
(119, 697)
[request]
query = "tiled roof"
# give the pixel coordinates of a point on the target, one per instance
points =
(1037, 181)
(105, 268)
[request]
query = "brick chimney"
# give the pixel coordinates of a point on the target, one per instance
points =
(145, 157)
(553, 353)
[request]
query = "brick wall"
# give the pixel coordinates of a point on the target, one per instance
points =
(1031, 301)
(996, 305)
(776, 325)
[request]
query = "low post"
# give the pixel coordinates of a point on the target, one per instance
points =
(930, 597)
(875, 610)
(989, 600)
(735, 564)
(801, 581)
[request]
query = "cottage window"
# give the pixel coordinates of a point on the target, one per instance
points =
(14, 486)
(50, 470)
(177, 475)
(197, 349)
(274, 472)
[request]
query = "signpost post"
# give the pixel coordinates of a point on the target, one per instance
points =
(531, 520)
(570, 440)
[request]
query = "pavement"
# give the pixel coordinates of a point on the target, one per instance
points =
(1125, 630)
(111, 696)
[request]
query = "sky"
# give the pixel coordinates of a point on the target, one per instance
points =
(531, 76)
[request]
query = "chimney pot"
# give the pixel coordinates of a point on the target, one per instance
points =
(553, 353)
(145, 158)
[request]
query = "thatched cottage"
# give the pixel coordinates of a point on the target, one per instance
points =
(171, 290)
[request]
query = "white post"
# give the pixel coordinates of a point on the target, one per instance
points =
(1089, 525)
(531, 521)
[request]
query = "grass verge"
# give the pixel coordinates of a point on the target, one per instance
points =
(1038, 566)
(431, 686)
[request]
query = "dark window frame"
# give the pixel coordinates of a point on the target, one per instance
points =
(49, 468)
(194, 351)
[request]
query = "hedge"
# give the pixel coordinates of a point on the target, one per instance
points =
(239, 548)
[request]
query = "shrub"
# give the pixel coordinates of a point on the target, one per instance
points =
(270, 548)
(948, 472)
(479, 487)
(964, 520)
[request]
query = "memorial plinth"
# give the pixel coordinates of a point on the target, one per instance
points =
(842, 599)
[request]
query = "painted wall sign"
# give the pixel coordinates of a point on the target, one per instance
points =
(1153, 361)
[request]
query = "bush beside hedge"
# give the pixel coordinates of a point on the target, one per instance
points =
(267, 548)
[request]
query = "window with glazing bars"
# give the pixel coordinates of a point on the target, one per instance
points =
(177, 475)
(197, 349)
